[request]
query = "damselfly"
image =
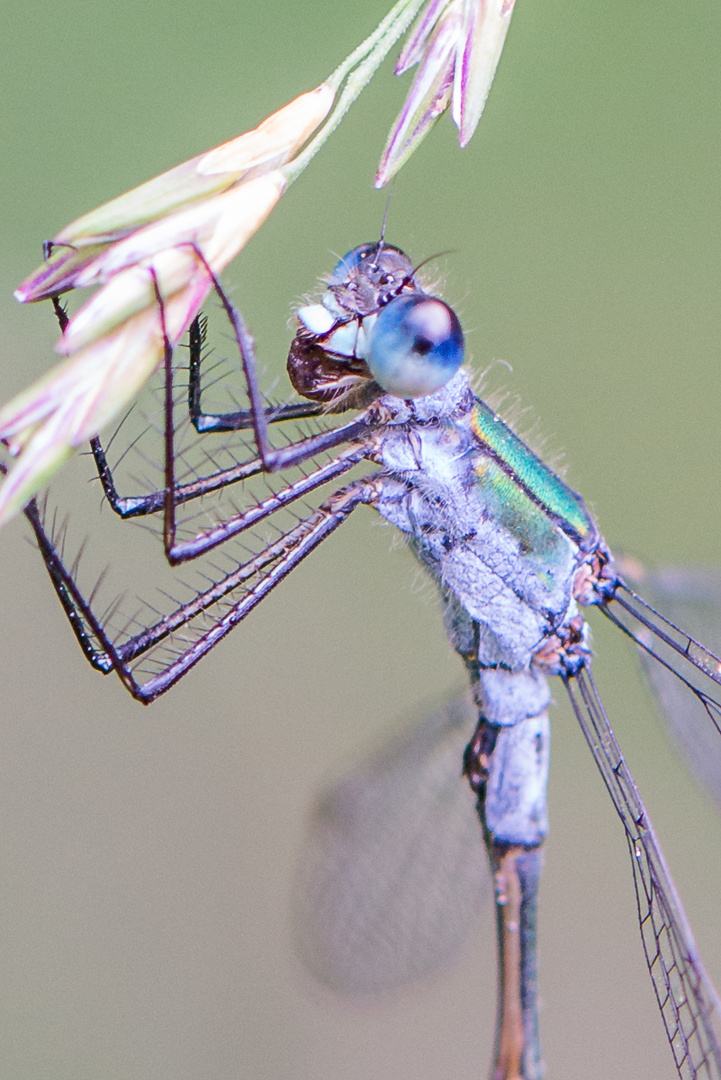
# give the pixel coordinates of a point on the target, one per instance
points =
(515, 555)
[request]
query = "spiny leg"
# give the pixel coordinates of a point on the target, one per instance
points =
(257, 417)
(205, 540)
(269, 566)
(60, 314)
(152, 503)
(242, 419)
(272, 459)
(177, 552)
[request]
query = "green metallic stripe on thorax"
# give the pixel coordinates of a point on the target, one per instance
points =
(539, 482)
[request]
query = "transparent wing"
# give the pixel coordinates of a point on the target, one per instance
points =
(393, 874)
(691, 597)
(687, 1000)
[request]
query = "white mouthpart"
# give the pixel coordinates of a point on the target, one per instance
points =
(316, 318)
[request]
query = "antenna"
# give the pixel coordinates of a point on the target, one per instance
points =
(381, 242)
(385, 216)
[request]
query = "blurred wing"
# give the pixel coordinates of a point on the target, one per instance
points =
(691, 598)
(393, 873)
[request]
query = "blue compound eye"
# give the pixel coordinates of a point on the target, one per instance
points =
(416, 346)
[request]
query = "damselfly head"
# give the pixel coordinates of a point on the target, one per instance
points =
(374, 325)
(367, 278)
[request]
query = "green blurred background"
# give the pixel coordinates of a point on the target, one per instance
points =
(147, 857)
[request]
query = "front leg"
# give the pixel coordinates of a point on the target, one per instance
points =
(241, 420)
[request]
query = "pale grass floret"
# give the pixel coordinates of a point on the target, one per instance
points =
(457, 45)
(155, 253)
(167, 238)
